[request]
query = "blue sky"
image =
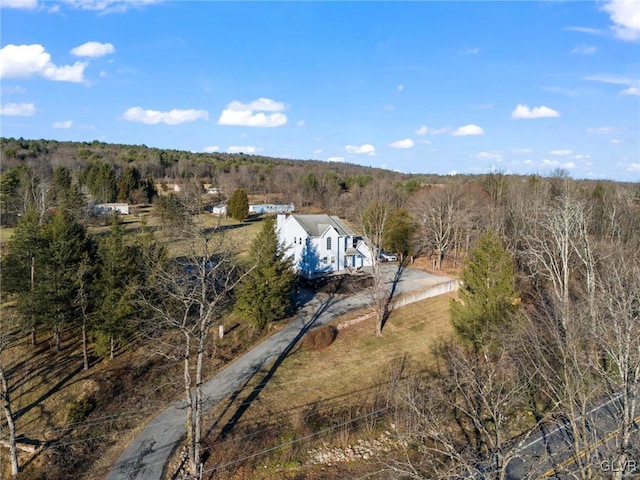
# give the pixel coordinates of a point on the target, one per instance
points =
(424, 87)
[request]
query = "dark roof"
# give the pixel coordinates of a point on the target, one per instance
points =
(316, 225)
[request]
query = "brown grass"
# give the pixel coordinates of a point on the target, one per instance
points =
(312, 390)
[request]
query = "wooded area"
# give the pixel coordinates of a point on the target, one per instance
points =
(547, 322)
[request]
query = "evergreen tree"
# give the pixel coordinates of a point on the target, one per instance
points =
(101, 180)
(265, 293)
(22, 267)
(67, 242)
(238, 205)
(398, 236)
(118, 281)
(488, 298)
(128, 182)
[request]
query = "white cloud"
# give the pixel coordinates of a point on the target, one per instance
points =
(588, 30)
(523, 111)
(561, 153)
(400, 88)
(469, 51)
(361, 150)
(406, 143)
(635, 91)
(633, 167)
(452, 172)
(568, 165)
(615, 141)
(521, 151)
(172, 117)
(24, 61)
(242, 114)
(489, 156)
(424, 130)
(109, 6)
(612, 78)
(243, 149)
(581, 157)
(599, 130)
(211, 149)
(93, 49)
(18, 109)
(300, 123)
(317, 151)
(335, 159)
(467, 130)
(625, 15)
(63, 124)
(261, 104)
(633, 84)
(584, 50)
(22, 4)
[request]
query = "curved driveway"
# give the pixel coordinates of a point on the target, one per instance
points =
(149, 453)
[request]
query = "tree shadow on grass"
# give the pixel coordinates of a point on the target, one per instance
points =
(392, 292)
(246, 403)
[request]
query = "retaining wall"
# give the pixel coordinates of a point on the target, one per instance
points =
(412, 297)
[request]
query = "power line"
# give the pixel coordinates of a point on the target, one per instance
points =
(291, 442)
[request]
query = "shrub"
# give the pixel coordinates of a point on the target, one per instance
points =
(320, 337)
(80, 410)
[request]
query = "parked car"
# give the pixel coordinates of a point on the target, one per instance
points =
(388, 257)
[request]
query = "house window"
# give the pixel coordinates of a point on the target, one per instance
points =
(328, 243)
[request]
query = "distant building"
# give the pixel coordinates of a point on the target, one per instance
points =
(219, 210)
(271, 208)
(108, 208)
(321, 244)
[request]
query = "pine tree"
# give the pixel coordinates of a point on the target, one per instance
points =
(488, 298)
(265, 294)
(238, 206)
(118, 280)
(22, 267)
(67, 242)
(398, 236)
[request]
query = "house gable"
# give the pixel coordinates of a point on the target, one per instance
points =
(318, 243)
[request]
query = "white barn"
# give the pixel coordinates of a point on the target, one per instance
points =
(321, 244)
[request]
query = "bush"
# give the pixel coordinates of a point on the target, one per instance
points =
(320, 337)
(80, 410)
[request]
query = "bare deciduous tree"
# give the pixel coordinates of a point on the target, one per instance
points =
(445, 221)
(10, 332)
(617, 335)
(464, 418)
(189, 294)
(373, 218)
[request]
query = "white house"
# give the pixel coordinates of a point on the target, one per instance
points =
(321, 244)
(108, 208)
